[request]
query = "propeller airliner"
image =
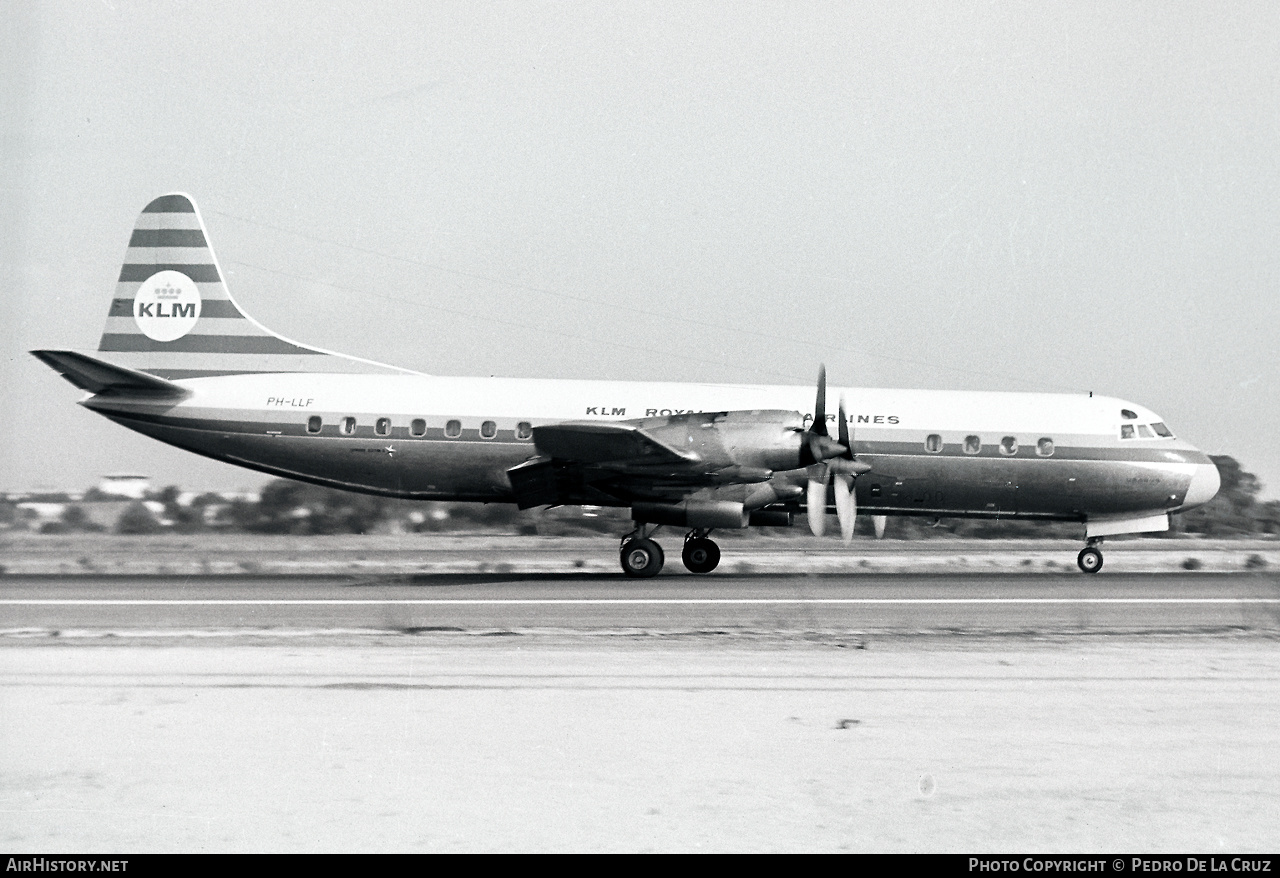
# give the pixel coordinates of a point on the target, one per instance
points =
(181, 362)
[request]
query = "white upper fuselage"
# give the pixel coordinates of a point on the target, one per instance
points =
(879, 412)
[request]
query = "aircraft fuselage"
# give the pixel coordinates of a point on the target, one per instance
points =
(944, 453)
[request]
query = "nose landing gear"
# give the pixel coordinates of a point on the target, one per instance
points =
(1090, 558)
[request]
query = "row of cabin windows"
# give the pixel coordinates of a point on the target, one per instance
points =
(418, 427)
(973, 445)
(932, 443)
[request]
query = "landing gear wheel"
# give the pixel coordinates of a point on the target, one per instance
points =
(701, 555)
(1089, 560)
(641, 558)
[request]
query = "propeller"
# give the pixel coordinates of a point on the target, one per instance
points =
(832, 461)
(818, 442)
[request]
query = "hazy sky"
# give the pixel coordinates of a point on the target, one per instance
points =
(973, 196)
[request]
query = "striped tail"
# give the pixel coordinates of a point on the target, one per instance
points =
(172, 315)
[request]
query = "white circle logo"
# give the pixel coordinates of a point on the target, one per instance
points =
(166, 306)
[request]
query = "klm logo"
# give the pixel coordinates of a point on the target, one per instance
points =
(176, 309)
(166, 306)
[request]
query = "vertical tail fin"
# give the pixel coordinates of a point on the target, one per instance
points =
(173, 317)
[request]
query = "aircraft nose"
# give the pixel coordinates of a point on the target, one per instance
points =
(1204, 485)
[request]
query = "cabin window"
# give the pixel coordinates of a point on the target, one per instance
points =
(972, 444)
(418, 427)
(524, 430)
(1128, 415)
(1161, 430)
(933, 443)
(382, 427)
(1126, 431)
(1145, 432)
(1009, 445)
(314, 423)
(348, 426)
(488, 429)
(1044, 447)
(453, 429)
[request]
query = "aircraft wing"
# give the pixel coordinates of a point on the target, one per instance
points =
(606, 442)
(599, 462)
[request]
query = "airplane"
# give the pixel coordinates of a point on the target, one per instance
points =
(180, 361)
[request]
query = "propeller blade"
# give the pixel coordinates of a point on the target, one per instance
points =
(846, 500)
(846, 505)
(845, 439)
(880, 521)
(820, 405)
(816, 505)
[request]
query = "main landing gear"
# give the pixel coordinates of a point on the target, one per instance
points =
(700, 554)
(1090, 558)
(642, 558)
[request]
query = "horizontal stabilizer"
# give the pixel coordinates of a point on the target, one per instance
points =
(96, 376)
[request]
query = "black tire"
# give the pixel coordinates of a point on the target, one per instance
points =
(700, 555)
(1089, 560)
(641, 558)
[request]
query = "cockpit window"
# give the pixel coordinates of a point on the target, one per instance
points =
(1126, 431)
(1128, 415)
(1161, 430)
(1145, 432)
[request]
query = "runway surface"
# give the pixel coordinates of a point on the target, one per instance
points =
(593, 602)
(445, 742)
(967, 712)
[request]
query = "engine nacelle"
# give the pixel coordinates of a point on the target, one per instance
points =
(692, 513)
(761, 439)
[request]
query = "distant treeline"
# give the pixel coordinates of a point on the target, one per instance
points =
(289, 507)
